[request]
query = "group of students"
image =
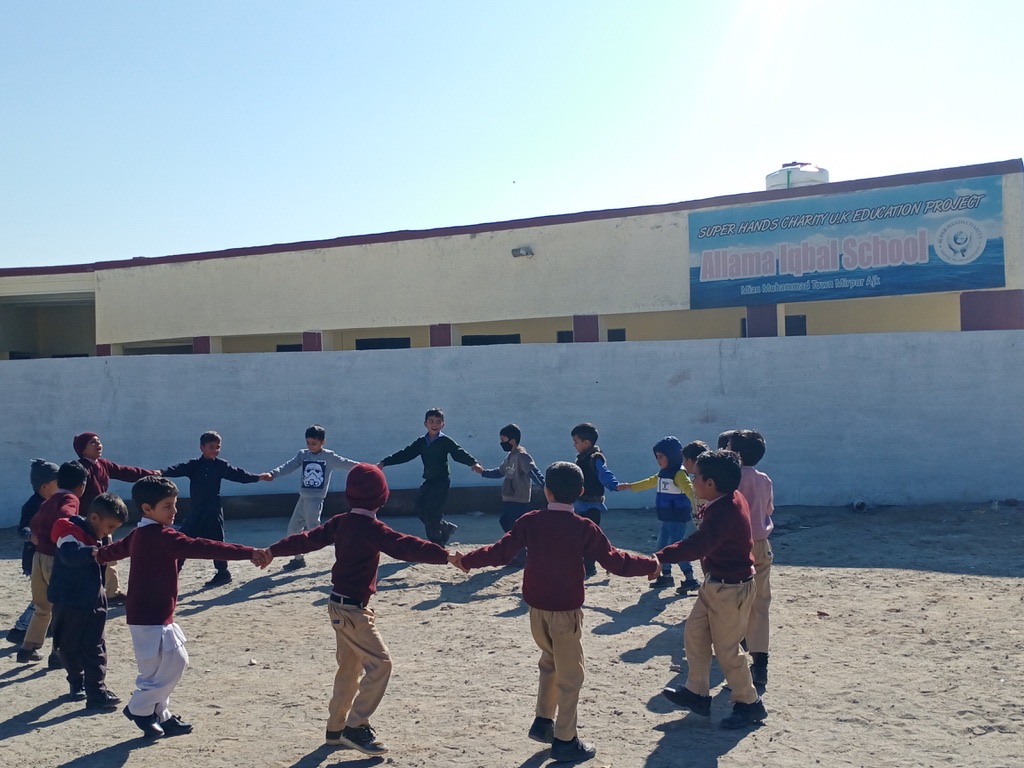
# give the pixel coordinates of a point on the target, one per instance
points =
(729, 502)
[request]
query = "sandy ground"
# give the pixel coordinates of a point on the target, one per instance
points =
(898, 640)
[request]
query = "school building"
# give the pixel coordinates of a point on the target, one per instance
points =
(939, 250)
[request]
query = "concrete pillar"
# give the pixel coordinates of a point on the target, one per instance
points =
(441, 335)
(312, 341)
(992, 310)
(585, 328)
(762, 321)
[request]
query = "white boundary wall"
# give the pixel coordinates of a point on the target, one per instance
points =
(903, 418)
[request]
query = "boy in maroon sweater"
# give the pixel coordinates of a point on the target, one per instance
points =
(88, 447)
(557, 542)
(719, 617)
(71, 479)
(155, 547)
(364, 663)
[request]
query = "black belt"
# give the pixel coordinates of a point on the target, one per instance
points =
(592, 499)
(346, 600)
(726, 581)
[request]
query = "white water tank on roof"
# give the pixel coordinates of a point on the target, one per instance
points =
(796, 175)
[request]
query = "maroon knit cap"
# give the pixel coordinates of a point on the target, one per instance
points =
(367, 487)
(82, 440)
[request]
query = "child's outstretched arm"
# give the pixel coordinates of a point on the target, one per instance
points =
(605, 475)
(640, 485)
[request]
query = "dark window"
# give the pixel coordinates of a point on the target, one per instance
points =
(616, 334)
(483, 339)
(289, 347)
(12, 355)
(394, 342)
(563, 337)
(76, 354)
(796, 325)
(743, 327)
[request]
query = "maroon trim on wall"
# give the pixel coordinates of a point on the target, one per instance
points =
(441, 335)
(992, 310)
(201, 345)
(103, 350)
(762, 321)
(585, 328)
(312, 341)
(878, 182)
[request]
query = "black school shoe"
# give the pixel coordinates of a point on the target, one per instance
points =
(147, 724)
(29, 657)
(15, 635)
(175, 726)
(447, 529)
(76, 690)
(572, 751)
(104, 701)
(54, 661)
(362, 738)
(543, 730)
(219, 578)
(744, 715)
(684, 697)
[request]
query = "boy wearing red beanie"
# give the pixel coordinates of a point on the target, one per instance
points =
(364, 663)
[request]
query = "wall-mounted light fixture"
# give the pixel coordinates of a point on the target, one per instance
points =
(523, 250)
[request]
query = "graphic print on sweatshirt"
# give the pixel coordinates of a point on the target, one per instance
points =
(313, 474)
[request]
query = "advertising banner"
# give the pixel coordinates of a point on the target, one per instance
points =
(922, 238)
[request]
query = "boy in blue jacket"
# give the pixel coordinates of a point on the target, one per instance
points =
(674, 503)
(79, 599)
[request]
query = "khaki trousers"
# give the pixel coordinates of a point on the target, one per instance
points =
(112, 583)
(35, 635)
(718, 621)
(364, 667)
(757, 627)
(559, 635)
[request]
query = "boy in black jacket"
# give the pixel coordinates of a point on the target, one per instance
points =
(80, 600)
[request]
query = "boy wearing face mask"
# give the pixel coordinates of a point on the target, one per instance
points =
(519, 473)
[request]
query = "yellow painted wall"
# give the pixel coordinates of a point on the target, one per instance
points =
(346, 339)
(923, 312)
(679, 324)
(255, 343)
(618, 265)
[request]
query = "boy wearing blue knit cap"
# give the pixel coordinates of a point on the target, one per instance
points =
(674, 504)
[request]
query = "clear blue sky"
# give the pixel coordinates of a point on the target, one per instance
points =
(154, 128)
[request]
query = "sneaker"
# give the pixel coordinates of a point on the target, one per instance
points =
(220, 577)
(572, 751)
(147, 724)
(447, 529)
(362, 738)
(117, 598)
(76, 690)
(689, 584)
(29, 657)
(54, 661)
(294, 564)
(684, 697)
(662, 582)
(543, 730)
(103, 700)
(744, 715)
(16, 636)
(175, 726)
